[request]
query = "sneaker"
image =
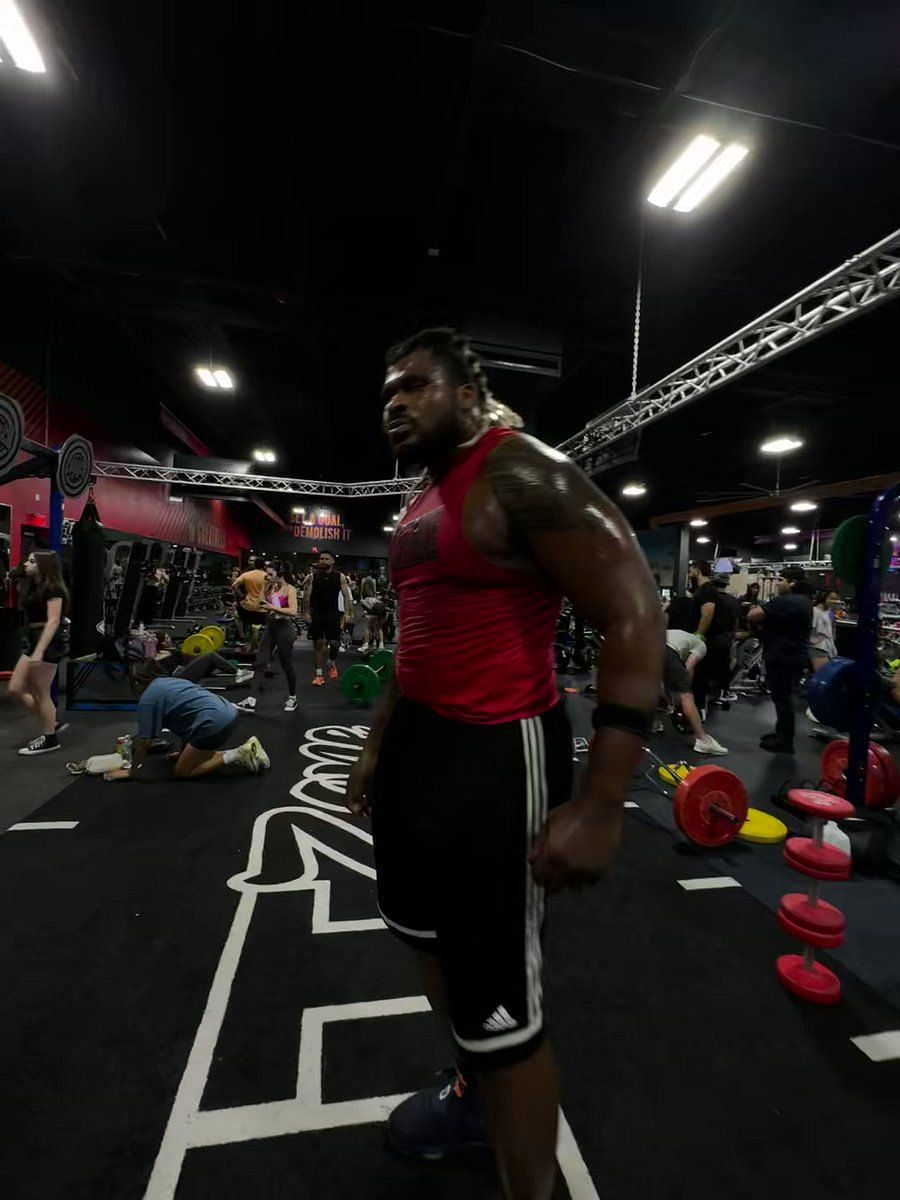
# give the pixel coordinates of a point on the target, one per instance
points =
(319, 681)
(708, 745)
(381, 645)
(243, 676)
(332, 672)
(253, 757)
(364, 648)
(292, 704)
(247, 705)
(729, 697)
(438, 1121)
(41, 745)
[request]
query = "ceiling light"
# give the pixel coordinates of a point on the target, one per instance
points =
(683, 170)
(804, 506)
(698, 522)
(299, 511)
(211, 377)
(780, 445)
(206, 377)
(702, 540)
(264, 456)
(396, 517)
(388, 528)
(718, 169)
(634, 489)
(894, 537)
(16, 36)
(176, 499)
(790, 545)
(222, 378)
(790, 529)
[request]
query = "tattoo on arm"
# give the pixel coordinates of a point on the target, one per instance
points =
(540, 489)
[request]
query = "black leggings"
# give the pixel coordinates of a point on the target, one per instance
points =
(204, 664)
(279, 635)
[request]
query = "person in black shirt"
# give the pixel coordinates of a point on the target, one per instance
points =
(711, 620)
(45, 604)
(784, 623)
(320, 602)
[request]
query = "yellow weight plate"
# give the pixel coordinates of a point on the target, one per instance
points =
(674, 773)
(216, 635)
(196, 644)
(762, 829)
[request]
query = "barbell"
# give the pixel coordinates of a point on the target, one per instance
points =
(362, 683)
(204, 641)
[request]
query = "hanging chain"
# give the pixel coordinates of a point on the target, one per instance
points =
(636, 347)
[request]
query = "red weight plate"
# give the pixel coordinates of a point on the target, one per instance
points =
(819, 862)
(833, 767)
(818, 985)
(809, 937)
(820, 917)
(891, 774)
(821, 804)
(710, 806)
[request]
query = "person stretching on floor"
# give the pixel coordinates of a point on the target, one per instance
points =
(45, 601)
(204, 723)
(467, 768)
(683, 652)
(280, 607)
(320, 606)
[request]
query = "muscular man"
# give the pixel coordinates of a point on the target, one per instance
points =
(320, 606)
(467, 768)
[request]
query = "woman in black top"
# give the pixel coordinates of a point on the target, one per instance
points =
(45, 604)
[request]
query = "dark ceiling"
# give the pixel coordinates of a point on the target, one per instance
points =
(268, 185)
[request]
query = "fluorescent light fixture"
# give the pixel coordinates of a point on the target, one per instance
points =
(702, 540)
(789, 529)
(698, 522)
(634, 489)
(206, 377)
(222, 378)
(388, 528)
(683, 170)
(804, 506)
(721, 166)
(264, 456)
(780, 445)
(211, 377)
(790, 545)
(17, 38)
(300, 512)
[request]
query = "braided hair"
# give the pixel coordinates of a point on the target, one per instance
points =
(455, 353)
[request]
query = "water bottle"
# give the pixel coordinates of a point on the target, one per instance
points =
(125, 751)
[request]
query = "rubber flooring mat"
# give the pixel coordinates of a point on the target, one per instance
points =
(199, 1000)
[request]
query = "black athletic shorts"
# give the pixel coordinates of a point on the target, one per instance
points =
(455, 810)
(676, 680)
(325, 628)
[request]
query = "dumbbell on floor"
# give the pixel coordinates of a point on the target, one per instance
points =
(814, 922)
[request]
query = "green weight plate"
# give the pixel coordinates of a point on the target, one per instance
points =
(360, 684)
(848, 549)
(382, 661)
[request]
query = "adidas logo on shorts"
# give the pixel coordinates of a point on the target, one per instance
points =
(500, 1021)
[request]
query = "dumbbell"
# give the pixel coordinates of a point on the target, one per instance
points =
(812, 921)
(362, 683)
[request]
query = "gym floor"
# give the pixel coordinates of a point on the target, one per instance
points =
(198, 998)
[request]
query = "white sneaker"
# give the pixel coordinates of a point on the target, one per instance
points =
(243, 676)
(247, 705)
(708, 745)
(364, 648)
(253, 757)
(292, 704)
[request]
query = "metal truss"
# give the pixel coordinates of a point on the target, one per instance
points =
(860, 284)
(252, 483)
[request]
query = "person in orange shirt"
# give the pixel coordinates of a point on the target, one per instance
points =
(250, 589)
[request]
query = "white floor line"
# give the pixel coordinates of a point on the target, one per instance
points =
(26, 826)
(879, 1047)
(713, 881)
(572, 1164)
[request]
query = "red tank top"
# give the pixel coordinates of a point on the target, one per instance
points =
(476, 640)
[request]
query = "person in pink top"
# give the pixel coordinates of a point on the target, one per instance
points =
(467, 769)
(279, 635)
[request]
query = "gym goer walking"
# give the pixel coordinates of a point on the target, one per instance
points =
(45, 604)
(785, 623)
(320, 605)
(204, 723)
(468, 765)
(250, 589)
(280, 607)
